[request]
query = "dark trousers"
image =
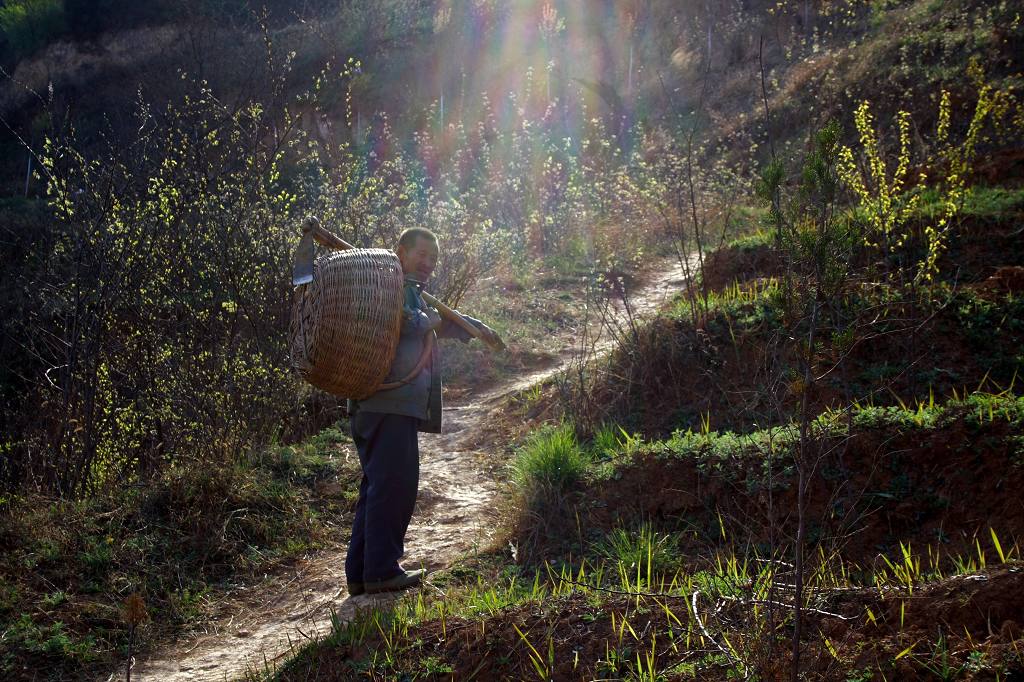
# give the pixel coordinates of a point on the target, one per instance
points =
(390, 456)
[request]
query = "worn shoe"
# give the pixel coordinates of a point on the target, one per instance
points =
(356, 589)
(401, 581)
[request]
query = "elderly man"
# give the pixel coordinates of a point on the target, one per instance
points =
(385, 427)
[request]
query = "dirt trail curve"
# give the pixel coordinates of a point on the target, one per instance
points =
(455, 514)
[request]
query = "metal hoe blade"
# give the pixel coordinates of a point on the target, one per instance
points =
(302, 272)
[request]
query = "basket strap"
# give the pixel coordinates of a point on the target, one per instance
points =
(428, 346)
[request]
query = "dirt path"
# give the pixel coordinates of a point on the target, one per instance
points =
(455, 514)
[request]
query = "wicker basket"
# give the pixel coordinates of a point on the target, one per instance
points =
(345, 323)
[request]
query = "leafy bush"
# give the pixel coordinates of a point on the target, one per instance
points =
(159, 299)
(28, 25)
(67, 566)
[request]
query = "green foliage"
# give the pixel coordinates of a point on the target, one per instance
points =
(944, 36)
(761, 238)
(879, 188)
(161, 309)
(312, 460)
(893, 416)
(49, 642)
(641, 551)
(551, 459)
(197, 278)
(169, 252)
(155, 353)
(815, 242)
(983, 319)
(9, 597)
(607, 441)
(816, 245)
(637, 593)
(983, 203)
(885, 199)
(55, 599)
(27, 25)
(70, 564)
(611, 440)
(97, 555)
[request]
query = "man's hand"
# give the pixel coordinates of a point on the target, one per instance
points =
(420, 320)
(433, 317)
(469, 329)
(490, 337)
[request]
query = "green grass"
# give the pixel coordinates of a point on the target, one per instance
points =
(551, 459)
(966, 332)
(611, 440)
(609, 620)
(975, 409)
(642, 550)
(979, 202)
(68, 566)
(607, 441)
(752, 242)
(631, 591)
(749, 306)
(628, 592)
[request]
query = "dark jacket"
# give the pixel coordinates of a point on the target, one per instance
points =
(421, 396)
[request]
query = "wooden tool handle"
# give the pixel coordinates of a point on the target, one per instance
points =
(333, 241)
(491, 339)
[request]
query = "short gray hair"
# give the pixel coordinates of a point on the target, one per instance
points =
(411, 234)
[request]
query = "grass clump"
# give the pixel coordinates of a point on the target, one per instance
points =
(551, 460)
(643, 551)
(761, 239)
(611, 440)
(607, 440)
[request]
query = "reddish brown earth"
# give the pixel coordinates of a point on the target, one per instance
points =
(955, 628)
(941, 623)
(941, 488)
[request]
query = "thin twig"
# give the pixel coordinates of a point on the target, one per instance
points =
(700, 623)
(768, 602)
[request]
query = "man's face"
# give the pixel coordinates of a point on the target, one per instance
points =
(418, 260)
